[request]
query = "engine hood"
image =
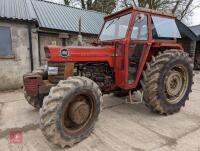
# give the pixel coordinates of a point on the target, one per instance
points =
(89, 48)
(80, 53)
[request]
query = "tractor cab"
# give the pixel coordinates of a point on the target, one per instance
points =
(133, 32)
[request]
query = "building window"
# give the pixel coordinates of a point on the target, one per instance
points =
(5, 41)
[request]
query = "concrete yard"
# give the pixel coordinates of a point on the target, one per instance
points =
(121, 127)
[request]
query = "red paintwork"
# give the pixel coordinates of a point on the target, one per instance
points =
(105, 53)
(83, 54)
(32, 83)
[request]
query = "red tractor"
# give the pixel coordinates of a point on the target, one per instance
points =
(137, 49)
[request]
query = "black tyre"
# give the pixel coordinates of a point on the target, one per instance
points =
(167, 81)
(69, 112)
(36, 102)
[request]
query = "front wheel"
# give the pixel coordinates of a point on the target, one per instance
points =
(69, 112)
(167, 81)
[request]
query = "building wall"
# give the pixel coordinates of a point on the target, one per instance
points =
(197, 56)
(47, 39)
(189, 46)
(185, 42)
(13, 68)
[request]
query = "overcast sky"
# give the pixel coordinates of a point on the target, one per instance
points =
(196, 15)
(195, 20)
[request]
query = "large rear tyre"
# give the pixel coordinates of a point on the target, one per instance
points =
(70, 111)
(167, 81)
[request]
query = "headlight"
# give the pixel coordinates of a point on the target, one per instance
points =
(52, 70)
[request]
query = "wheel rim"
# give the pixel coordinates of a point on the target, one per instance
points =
(77, 114)
(176, 83)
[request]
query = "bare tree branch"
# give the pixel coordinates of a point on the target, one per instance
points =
(176, 6)
(184, 12)
(134, 3)
(83, 4)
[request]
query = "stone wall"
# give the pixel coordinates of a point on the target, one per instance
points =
(197, 56)
(47, 39)
(13, 67)
(189, 46)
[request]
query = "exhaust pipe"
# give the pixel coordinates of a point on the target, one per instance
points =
(80, 38)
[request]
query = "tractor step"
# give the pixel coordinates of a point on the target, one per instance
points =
(135, 97)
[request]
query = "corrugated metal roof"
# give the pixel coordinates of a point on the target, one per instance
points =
(196, 29)
(61, 17)
(185, 31)
(17, 9)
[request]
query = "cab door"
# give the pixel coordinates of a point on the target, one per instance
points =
(138, 49)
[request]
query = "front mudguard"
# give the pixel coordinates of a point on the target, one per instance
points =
(32, 82)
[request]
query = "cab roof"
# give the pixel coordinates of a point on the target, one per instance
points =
(140, 9)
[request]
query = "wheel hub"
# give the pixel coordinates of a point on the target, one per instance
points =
(174, 83)
(79, 112)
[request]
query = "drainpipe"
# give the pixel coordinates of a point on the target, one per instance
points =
(30, 45)
(39, 51)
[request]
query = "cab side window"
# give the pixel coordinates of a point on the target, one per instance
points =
(140, 28)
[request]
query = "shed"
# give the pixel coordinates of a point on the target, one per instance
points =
(196, 30)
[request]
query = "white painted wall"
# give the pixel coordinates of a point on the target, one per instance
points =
(12, 69)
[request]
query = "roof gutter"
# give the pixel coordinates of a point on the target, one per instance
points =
(55, 31)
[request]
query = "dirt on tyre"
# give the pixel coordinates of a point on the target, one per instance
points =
(167, 82)
(70, 111)
(36, 102)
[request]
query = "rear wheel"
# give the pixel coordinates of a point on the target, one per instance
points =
(69, 113)
(167, 81)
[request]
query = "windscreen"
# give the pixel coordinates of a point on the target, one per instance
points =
(115, 28)
(164, 28)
